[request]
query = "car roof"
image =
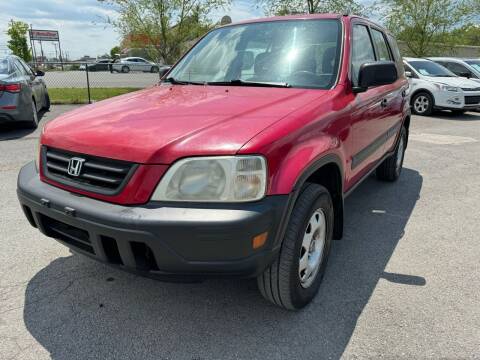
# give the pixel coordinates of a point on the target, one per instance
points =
(446, 58)
(408, 59)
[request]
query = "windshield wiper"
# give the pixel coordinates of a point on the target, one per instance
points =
(174, 81)
(239, 82)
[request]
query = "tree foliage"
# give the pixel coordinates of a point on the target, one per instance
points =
(285, 7)
(425, 25)
(115, 51)
(164, 27)
(18, 43)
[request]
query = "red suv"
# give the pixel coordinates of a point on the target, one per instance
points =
(237, 163)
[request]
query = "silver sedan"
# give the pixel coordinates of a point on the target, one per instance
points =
(128, 64)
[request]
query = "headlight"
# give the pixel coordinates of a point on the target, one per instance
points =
(214, 179)
(447, 87)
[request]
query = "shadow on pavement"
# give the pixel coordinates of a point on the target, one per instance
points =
(18, 130)
(76, 308)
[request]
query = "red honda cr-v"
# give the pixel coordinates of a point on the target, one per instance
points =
(237, 163)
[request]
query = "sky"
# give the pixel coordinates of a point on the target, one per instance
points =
(81, 23)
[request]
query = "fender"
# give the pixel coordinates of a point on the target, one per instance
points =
(330, 158)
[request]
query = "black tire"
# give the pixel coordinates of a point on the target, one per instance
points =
(32, 123)
(391, 168)
(280, 283)
(47, 102)
(154, 69)
(125, 69)
(427, 108)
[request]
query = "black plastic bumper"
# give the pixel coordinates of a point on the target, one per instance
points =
(157, 239)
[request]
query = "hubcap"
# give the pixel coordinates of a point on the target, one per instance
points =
(311, 252)
(35, 115)
(421, 104)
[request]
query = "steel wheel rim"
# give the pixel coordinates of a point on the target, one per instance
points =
(400, 152)
(311, 251)
(421, 104)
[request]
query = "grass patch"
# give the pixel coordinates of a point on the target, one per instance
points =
(60, 96)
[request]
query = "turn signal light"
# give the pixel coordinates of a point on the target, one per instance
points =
(13, 88)
(259, 240)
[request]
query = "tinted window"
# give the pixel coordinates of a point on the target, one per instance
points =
(26, 68)
(362, 50)
(301, 53)
(474, 63)
(20, 69)
(4, 68)
(457, 68)
(380, 45)
(429, 68)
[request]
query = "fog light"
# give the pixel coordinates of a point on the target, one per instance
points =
(259, 240)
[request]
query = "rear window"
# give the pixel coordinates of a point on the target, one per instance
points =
(4, 68)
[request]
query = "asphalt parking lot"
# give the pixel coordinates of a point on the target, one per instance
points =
(403, 283)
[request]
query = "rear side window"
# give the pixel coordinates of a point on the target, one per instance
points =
(381, 45)
(362, 50)
(4, 68)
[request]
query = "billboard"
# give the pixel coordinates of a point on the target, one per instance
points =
(44, 35)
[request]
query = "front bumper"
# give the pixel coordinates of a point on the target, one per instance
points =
(156, 239)
(456, 101)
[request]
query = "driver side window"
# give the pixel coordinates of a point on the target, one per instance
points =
(362, 50)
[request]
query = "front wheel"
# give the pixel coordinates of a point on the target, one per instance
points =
(293, 280)
(154, 69)
(422, 104)
(125, 69)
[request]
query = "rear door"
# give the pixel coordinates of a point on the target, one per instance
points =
(35, 83)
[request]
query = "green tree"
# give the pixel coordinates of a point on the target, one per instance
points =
(115, 51)
(18, 43)
(466, 35)
(285, 7)
(425, 25)
(165, 27)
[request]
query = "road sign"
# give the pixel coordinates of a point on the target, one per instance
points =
(44, 35)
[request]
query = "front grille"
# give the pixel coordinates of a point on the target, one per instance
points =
(99, 175)
(471, 89)
(472, 100)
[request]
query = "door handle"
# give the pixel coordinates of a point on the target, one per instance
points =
(384, 103)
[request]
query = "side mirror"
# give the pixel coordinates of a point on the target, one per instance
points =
(465, 75)
(39, 73)
(408, 74)
(376, 74)
(164, 70)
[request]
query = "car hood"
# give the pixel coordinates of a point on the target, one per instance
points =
(455, 81)
(164, 123)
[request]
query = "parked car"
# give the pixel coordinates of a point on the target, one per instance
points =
(468, 68)
(128, 64)
(435, 87)
(235, 165)
(23, 92)
(100, 65)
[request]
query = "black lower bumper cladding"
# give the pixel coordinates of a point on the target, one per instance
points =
(161, 240)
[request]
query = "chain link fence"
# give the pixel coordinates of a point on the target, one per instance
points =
(81, 82)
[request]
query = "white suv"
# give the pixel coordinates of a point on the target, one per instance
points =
(469, 68)
(434, 87)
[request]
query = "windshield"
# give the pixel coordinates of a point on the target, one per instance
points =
(429, 68)
(297, 53)
(474, 63)
(4, 66)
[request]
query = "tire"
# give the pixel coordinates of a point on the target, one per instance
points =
(125, 69)
(33, 122)
(422, 104)
(391, 168)
(47, 102)
(282, 282)
(154, 69)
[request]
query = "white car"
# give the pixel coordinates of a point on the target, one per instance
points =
(434, 87)
(128, 64)
(469, 68)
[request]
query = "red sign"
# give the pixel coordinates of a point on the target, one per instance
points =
(44, 35)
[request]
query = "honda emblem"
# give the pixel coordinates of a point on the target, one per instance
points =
(75, 166)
